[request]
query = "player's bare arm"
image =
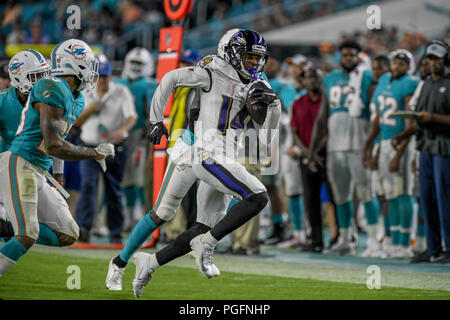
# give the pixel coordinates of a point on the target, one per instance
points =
(401, 145)
(394, 166)
(426, 117)
(53, 127)
(88, 111)
(374, 131)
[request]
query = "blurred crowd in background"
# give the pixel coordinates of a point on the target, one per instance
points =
(116, 27)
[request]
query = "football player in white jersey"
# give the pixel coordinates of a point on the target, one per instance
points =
(222, 83)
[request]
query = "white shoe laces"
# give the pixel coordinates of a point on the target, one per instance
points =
(208, 255)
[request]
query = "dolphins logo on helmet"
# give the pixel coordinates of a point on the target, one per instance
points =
(74, 57)
(26, 68)
(77, 51)
(14, 66)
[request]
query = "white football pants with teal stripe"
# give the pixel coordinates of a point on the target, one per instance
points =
(218, 183)
(397, 183)
(30, 200)
(346, 174)
(398, 187)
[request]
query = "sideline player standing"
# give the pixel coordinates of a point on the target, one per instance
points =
(392, 94)
(25, 68)
(137, 70)
(346, 136)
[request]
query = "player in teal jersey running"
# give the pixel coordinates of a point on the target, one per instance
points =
(53, 106)
(25, 68)
(392, 94)
(346, 137)
(136, 74)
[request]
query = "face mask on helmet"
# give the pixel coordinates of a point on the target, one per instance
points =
(75, 58)
(136, 69)
(26, 68)
(138, 63)
(247, 53)
(92, 77)
(34, 76)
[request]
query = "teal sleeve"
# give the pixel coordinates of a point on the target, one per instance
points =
(150, 92)
(410, 86)
(325, 81)
(263, 75)
(275, 84)
(48, 91)
(367, 80)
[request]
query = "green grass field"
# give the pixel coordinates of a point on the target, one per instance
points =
(42, 274)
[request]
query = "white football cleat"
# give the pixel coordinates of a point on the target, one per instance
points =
(291, 243)
(144, 272)
(203, 253)
(114, 277)
(372, 248)
(342, 247)
(402, 253)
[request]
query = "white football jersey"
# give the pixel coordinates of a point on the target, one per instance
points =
(223, 115)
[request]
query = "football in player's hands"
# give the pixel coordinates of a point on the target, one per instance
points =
(259, 97)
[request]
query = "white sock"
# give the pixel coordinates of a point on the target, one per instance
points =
(208, 238)
(154, 262)
(299, 235)
(372, 231)
(420, 245)
(5, 264)
(345, 234)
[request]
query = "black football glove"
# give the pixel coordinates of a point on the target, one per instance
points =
(262, 94)
(156, 131)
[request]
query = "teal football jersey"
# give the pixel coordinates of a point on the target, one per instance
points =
(29, 142)
(389, 97)
(142, 89)
(289, 93)
(339, 93)
(10, 111)
(276, 85)
(346, 133)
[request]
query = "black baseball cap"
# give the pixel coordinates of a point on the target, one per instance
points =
(402, 56)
